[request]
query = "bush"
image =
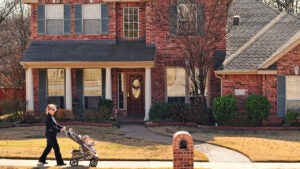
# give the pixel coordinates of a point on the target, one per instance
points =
(13, 110)
(291, 117)
(224, 108)
(159, 111)
(179, 112)
(258, 108)
(102, 113)
(10, 106)
(64, 114)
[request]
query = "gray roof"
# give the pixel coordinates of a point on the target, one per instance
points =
(88, 51)
(259, 36)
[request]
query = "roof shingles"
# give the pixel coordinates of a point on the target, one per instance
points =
(265, 45)
(88, 51)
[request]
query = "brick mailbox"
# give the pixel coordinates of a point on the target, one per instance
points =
(183, 150)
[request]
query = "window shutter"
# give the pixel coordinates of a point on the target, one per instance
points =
(79, 89)
(42, 90)
(67, 19)
(173, 19)
(281, 96)
(219, 58)
(104, 18)
(41, 19)
(200, 19)
(78, 18)
(103, 83)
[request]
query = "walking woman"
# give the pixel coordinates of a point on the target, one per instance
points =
(52, 128)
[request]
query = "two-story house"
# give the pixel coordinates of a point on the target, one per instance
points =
(85, 50)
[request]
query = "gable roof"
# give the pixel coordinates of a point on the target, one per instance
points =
(48, 52)
(262, 49)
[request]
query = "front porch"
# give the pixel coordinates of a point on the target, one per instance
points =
(77, 80)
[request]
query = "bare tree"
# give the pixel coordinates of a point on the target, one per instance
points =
(14, 37)
(200, 29)
(291, 6)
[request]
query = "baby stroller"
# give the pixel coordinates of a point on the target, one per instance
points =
(85, 152)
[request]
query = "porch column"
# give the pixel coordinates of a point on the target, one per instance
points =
(147, 93)
(108, 83)
(29, 90)
(68, 89)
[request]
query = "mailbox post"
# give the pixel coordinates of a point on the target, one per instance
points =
(183, 150)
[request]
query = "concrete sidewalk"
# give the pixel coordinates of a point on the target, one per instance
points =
(155, 164)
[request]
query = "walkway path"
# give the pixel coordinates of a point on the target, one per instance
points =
(214, 153)
(154, 164)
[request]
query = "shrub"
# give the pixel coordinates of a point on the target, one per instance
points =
(258, 108)
(291, 117)
(11, 106)
(159, 111)
(64, 114)
(102, 113)
(198, 113)
(178, 112)
(224, 108)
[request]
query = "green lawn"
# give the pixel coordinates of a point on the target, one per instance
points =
(111, 144)
(257, 145)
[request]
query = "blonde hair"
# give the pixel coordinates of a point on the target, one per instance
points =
(50, 106)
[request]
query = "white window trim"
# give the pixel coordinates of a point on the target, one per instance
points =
(138, 30)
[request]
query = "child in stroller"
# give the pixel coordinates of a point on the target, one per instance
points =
(86, 150)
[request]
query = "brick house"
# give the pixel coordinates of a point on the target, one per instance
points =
(263, 57)
(85, 50)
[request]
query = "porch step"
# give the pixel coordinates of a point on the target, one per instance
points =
(131, 119)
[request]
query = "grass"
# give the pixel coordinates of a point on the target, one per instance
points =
(259, 146)
(111, 144)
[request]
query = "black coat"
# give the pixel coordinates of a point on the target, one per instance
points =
(51, 125)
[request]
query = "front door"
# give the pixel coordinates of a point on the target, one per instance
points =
(135, 94)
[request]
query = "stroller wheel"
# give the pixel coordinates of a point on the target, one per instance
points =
(94, 162)
(74, 162)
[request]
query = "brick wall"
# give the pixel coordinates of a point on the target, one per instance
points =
(265, 85)
(285, 65)
(170, 50)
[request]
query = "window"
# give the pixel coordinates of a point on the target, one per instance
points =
(176, 85)
(54, 19)
(131, 22)
(186, 18)
(56, 82)
(92, 81)
(54, 15)
(292, 93)
(91, 18)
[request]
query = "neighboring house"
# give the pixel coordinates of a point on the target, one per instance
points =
(85, 50)
(263, 57)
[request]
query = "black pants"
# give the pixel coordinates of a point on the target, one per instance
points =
(51, 143)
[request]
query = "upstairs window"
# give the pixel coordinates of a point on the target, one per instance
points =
(54, 19)
(91, 18)
(186, 18)
(131, 22)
